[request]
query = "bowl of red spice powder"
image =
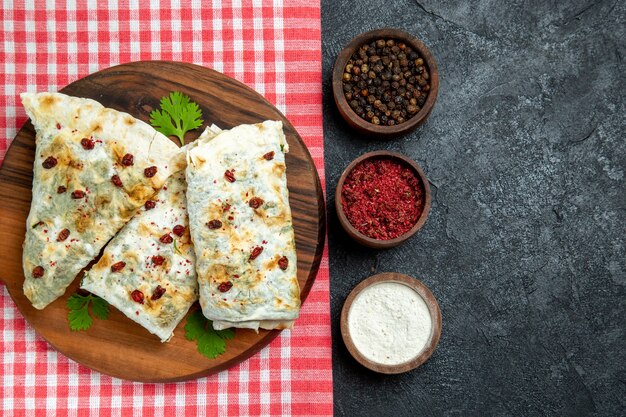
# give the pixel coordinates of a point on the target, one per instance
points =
(382, 199)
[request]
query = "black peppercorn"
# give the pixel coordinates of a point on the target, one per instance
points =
(385, 82)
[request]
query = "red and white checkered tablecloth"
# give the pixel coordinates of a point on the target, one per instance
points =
(272, 46)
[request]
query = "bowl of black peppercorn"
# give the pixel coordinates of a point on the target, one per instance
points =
(385, 83)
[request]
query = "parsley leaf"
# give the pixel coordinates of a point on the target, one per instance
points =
(177, 116)
(100, 308)
(78, 317)
(211, 343)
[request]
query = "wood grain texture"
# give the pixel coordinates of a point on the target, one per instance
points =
(435, 316)
(118, 346)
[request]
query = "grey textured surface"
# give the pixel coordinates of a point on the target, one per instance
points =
(525, 246)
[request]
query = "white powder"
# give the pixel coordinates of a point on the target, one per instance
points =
(389, 323)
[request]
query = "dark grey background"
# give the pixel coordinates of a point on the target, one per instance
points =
(525, 246)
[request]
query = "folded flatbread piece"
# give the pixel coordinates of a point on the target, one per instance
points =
(241, 226)
(93, 168)
(148, 270)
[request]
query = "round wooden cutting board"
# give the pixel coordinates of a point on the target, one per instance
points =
(118, 346)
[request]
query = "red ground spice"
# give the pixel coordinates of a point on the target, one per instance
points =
(382, 198)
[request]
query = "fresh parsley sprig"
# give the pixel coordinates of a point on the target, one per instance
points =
(211, 343)
(78, 317)
(177, 116)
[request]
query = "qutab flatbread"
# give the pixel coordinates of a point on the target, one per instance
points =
(148, 271)
(93, 168)
(241, 226)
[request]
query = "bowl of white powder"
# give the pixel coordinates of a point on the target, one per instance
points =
(391, 323)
